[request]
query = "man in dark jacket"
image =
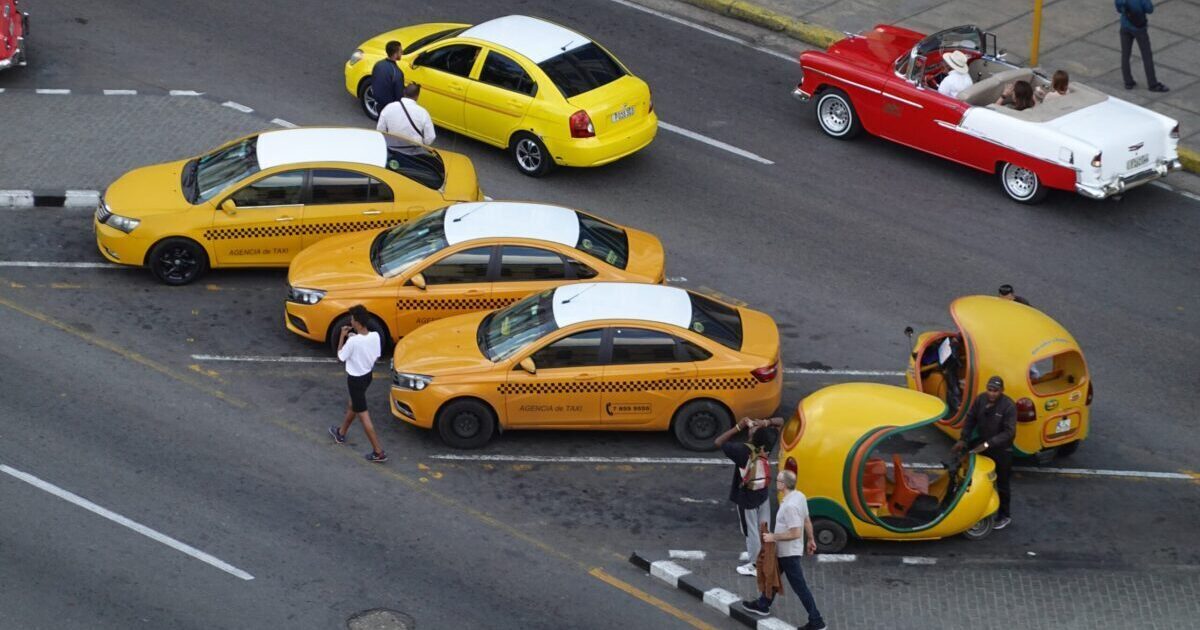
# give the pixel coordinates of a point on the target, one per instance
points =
(989, 428)
(1136, 27)
(387, 80)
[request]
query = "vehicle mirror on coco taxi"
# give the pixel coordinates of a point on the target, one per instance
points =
(528, 365)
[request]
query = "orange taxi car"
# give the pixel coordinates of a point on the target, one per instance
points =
(592, 355)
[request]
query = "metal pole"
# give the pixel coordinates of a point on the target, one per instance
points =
(1035, 43)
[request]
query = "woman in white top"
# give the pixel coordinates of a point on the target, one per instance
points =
(359, 352)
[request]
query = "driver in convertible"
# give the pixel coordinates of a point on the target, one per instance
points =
(959, 78)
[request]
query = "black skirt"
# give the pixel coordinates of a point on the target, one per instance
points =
(358, 391)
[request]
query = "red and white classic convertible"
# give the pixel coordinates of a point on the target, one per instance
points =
(14, 26)
(886, 80)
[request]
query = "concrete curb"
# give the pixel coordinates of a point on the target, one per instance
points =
(823, 36)
(10, 199)
(717, 598)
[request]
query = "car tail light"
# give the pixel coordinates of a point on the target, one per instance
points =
(1089, 396)
(790, 464)
(766, 374)
(1175, 132)
(1098, 160)
(1026, 412)
(581, 125)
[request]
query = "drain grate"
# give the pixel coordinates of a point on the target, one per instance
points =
(380, 619)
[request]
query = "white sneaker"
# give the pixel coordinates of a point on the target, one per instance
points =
(745, 557)
(747, 569)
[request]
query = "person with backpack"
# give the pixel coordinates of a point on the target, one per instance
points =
(750, 490)
(1136, 27)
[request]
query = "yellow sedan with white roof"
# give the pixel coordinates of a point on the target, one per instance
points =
(464, 258)
(594, 356)
(259, 200)
(545, 92)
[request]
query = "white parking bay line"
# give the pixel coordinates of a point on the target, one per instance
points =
(51, 91)
(836, 557)
(832, 372)
(713, 142)
(63, 265)
(121, 520)
(238, 106)
(557, 459)
(261, 359)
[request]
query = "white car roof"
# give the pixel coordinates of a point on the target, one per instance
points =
(295, 146)
(590, 301)
(537, 40)
(508, 219)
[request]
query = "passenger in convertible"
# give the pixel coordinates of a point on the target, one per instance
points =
(1017, 95)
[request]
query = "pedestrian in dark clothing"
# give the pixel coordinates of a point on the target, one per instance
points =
(1135, 26)
(387, 79)
(751, 479)
(1006, 292)
(989, 428)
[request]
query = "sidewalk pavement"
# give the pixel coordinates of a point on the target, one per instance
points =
(1079, 36)
(914, 592)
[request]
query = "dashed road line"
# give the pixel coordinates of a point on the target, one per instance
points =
(701, 501)
(918, 560)
(283, 123)
(126, 522)
(183, 93)
(120, 92)
(836, 557)
(677, 279)
(714, 143)
(238, 106)
(835, 372)
(51, 91)
(261, 359)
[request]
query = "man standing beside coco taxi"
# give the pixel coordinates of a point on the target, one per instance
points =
(989, 428)
(359, 352)
(753, 502)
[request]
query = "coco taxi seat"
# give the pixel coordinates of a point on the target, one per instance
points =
(875, 483)
(908, 487)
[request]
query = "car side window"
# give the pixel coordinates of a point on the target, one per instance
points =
(469, 265)
(579, 350)
(280, 189)
(638, 345)
(580, 270)
(518, 263)
(503, 72)
(456, 59)
(330, 186)
(689, 351)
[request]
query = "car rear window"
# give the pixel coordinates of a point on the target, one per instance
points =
(582, 69)
(717, 321)
(418, 163)
(603, 240)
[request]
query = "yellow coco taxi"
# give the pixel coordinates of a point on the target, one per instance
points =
(1042, 366)
(546, 93)
(464, 258)
(597, 356)
(845, 442)
(259, 200)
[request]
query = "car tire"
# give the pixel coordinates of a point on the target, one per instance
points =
(829, 535)
(836, 116)
(177, 261)
(374, 325)
(698, 423)
(530, 154)
(1045, 457)
(980, 530)
(466, 424)
(1021, 184)
(366, 99)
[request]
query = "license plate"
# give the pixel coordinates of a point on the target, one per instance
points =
(1063, 425)
(622, 114)
(1137, 161)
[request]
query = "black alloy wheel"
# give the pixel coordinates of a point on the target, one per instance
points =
(466, 424)
(698, 423)
(177, 261)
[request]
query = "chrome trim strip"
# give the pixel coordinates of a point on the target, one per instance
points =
(903, 100)
(834, 76)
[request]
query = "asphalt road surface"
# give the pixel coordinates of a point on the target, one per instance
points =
(844, 243)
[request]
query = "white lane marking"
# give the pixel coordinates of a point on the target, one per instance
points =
(720, 599)
(121, 520)
(557, 459)
(668, 571)
(63, 265)
(676, 279)
(260, 359)
(714, 142)
(705, 29)
(704, 501)
(238, 106)
(836, 557)
(1161, 184)
(915, 560)
(16, 198)
(119, 92)
(843, 372)
(773, 623)
(686, 554)
(283, 123)
(184, 93)
(49, 91)
(1101, 472)
(1190, 195)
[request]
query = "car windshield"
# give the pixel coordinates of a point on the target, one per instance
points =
(958, 38)
(429, 39)
(225, 166)
(717, 321)
(603, 240)
(582, 69)
(506, 331)
(418, 163)
(403, 246)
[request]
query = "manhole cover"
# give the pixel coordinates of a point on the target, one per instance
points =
(381, 619)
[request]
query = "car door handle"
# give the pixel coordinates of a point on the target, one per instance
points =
(675, 371)
(282, 219)
(474, 292)
(585, 377)
(456, 87)
(372, 212)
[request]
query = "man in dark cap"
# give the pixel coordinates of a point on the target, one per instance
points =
(989, 428)
(1006, 292)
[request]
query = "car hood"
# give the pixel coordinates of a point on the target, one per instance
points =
(148, 190)
(443, 347)
(337, 262)
(877, 48)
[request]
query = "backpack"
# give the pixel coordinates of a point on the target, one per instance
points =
(1136, 18)
(756, 474)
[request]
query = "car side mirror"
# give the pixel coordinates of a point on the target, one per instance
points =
(229, 207)
(908, 332)
(528, 365)
(418, 280)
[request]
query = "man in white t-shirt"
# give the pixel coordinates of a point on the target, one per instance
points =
(359, 351)
(959, 78)
(793, 538)
(407, 118)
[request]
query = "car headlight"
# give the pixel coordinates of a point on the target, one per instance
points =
(355, 56)
(125, 224)
(413, 382)
(304, 296)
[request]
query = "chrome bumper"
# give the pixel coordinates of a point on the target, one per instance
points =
(17, 58)
(1123, 184)
(800, 95)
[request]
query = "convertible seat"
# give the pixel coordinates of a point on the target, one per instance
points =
(875, 483)
(988, 90)
(1078, 97)
(908, 486)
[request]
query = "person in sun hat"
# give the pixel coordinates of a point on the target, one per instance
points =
(989, 428)
(959, 78)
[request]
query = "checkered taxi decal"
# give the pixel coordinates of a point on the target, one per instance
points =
(452, 304)
(585, 387)
(303, 229)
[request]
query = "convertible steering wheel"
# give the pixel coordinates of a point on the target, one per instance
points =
(935, 74)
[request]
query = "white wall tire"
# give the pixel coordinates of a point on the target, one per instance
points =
(1021, 184)
(836, 116)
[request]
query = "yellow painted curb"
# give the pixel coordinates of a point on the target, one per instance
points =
(807, 32)
(1190, 159)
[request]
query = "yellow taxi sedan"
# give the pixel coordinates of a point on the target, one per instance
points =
(547, 94)
(259, 200)
(596, 356)
(464, 258)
